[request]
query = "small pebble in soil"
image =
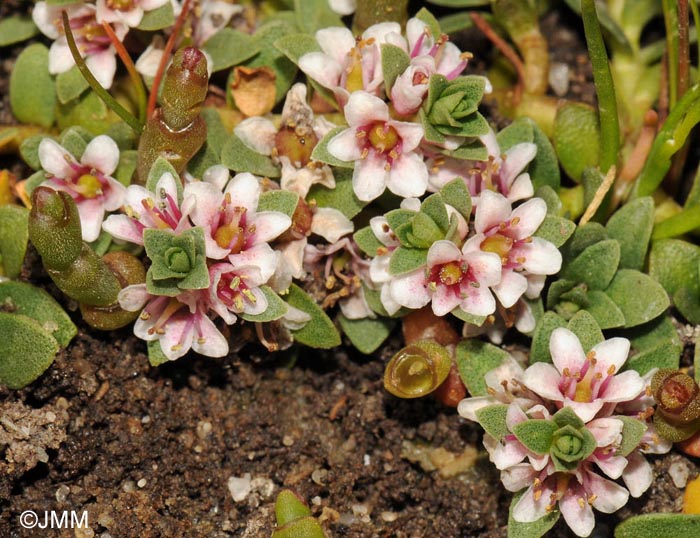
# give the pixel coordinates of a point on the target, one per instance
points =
(679, 472)
(319, 476)
(203, 429)
(141, 483)
(239, 487)
(288, 440)
(559, 78)
(366, 460)
(62, 493)
(128, 486)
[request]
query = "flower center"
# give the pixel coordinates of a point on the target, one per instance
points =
(451, 273)
(121, 5)
(383, 137)
(89, 186)
(354, 80)
(588, 383)
(233, 291)
(296, 144)
(231, 232)
(498, 244)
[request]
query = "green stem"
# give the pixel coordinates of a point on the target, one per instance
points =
(682, 223)
(103, 94)
(605, 87)
(672, 48)
(684, 116)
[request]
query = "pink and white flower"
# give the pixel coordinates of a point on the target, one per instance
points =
(233, 226)
(428, 57)
(89, 182)
(128, 12)
(93, 42)
(507, 232)
(502, 172)
(453, 278)
(584, 382)
(145, 209)
(384, 150)
(236, 291)
(178, 323)
(347, 65)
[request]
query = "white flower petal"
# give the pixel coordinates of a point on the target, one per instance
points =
(493, 209)
(369, 178)
(209, 341)
(133, 298)
(344, 146)
(530, 216)
(410, 290)
(102, 153)
(566, 350)
(612, 352)
(330, 224)
(577, 512)
(541, 257)
(337, 42)
(257, 133)
(610, 497)
(443, 251)
(103, 66)
(322, 68)
(518, 477)
(408, 176)
(543, 379)
(638, 475)
(54, 158)
(364, 108)
(511, 288)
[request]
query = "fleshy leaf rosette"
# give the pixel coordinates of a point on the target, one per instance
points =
(178, 261)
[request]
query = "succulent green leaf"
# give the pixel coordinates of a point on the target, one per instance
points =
(321, 153)
(26, 350)
(404, 260)
(535, 529)
(674, 264)
(536, 434)
(571, 445)
(604, 310)
(551, 198)
(631, 225)
(157, 19)
(294, 46)
(639, 296)
(396, 218)
(229, 47)
(429, 19)
(394, 62)
(312, 15)
(240, 158)
(123, 135)
(471, 150)
(576, 138)
(75, 140)
(127, 166)
(423, 231)
(451, 108)
(517, 132)
(319, 332)
(14, 235)
(596, 265)
(342, 198)
(632, 433)
(655, 525)
(367, 241)
(32, 88)
(493, 419)
(29, 151)
(544, 168)
(366, 334)
(70, 85)
(36, 303)
(556, 230)
(474, 359)
(15, 29)
(156, 357)
(289, 507)
(468, 318)
(584, 236)
(584, 325)
(567, 417)
(276, 307)
(307, 527)
(434, 207)
(539, 351)
(456, 22)
(665, 355)
(88, 111)
(279, 200)
(178, 261)
(456, 194)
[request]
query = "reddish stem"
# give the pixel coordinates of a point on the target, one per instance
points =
(506, 50)
(153, 97)
(131, 68)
